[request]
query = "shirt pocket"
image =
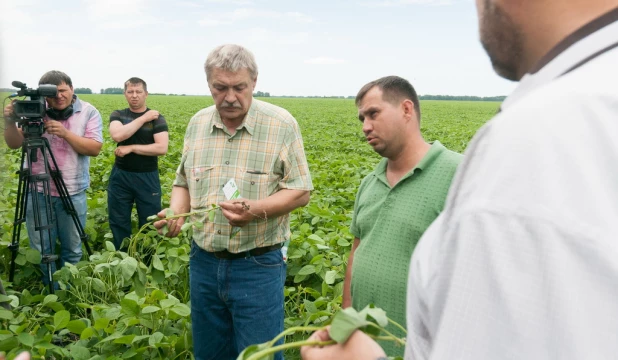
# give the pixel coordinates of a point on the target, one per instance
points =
(199, 180)
(257, 185)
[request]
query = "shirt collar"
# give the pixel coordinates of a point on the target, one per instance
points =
(77, 105)
(434, 151)
(579, 45)
(248, 122)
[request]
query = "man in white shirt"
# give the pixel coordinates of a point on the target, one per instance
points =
(523, 263)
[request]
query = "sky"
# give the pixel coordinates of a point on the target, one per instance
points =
(302, 48)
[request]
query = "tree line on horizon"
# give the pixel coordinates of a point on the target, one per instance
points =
(118, 90)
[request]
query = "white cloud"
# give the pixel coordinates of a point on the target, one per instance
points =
(189, 4)
(120, 14)
(261, 35)
(13, 14)
(242, 14)
(322, 60)
(399, 3)
(235, 2)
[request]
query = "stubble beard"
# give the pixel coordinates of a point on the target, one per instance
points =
(502, 40)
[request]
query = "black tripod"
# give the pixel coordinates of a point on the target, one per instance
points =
(31, 184)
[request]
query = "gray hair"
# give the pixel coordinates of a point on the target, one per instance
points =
(231, 57)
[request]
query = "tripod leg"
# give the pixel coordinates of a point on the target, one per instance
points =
(20, 214)
(41, 231)
(66, 199)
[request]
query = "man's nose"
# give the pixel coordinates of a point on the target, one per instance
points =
(230, 97)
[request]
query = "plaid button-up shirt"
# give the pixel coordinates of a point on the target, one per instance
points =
(264, 156)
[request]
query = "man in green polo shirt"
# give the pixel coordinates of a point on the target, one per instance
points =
(396, 202)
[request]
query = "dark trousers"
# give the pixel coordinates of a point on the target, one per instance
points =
(126, 188)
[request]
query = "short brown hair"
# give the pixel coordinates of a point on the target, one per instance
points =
(135, 81)
(394, 89)
(55, 77)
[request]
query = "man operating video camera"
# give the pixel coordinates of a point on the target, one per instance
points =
(73, 128)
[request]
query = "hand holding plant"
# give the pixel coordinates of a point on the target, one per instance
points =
(340, 340)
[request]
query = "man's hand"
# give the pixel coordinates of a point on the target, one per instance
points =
(8, 112)
(151, 115)
(173, 225)
(358, 347)
(239, 212)
(122, 151)
(54, 127)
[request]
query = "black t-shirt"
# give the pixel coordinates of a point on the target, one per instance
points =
(144, 136)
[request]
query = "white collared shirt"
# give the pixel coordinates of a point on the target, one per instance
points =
(523, 261)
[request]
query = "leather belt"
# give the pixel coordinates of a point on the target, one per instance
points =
(224, 254)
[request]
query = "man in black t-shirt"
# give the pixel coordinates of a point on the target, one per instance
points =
(142, 136)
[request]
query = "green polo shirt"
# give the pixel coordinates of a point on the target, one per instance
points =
(389, 222)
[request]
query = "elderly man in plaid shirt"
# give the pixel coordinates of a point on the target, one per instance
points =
(237, 277)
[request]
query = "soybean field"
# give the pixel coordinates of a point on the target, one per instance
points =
(135, 304)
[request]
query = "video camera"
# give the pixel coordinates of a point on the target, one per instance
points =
(35, 107)
(29, 113)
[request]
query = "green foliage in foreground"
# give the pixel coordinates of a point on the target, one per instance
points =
(136, 305)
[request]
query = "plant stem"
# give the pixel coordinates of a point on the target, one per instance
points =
(393, 337)
(293, 330)
(260, 354)
(397, 325)
(133, 241)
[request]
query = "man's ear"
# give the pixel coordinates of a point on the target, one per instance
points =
(408, 108)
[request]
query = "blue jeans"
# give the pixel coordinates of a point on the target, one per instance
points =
(64, 229)
(235, 303)
(126, 188)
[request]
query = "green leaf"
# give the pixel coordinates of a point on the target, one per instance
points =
(33, 256)
(150, 309)
(6, 314)
(100, 324)
(167, 303)
(156, 263)
(344, 323)
(50, 298)
(316, 238)
(152, 217)
(77, 326)
(211, 216)
(343, 242)
(61, 319)
(169, 212)
(200, 225)
(21, 261)
(330, 276)
(9, 344)
(251, 350)
(155, 339)
(127, 339)
(88, 333)
(157, 294)
(310, 306)
(109, 246)
(307, 270)
(98, 285)
(79, 352)
(129, 307)
(377, 314)
(26, 339)
(181, 310)
(56, 306)
(186, 226)
(128, 266)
